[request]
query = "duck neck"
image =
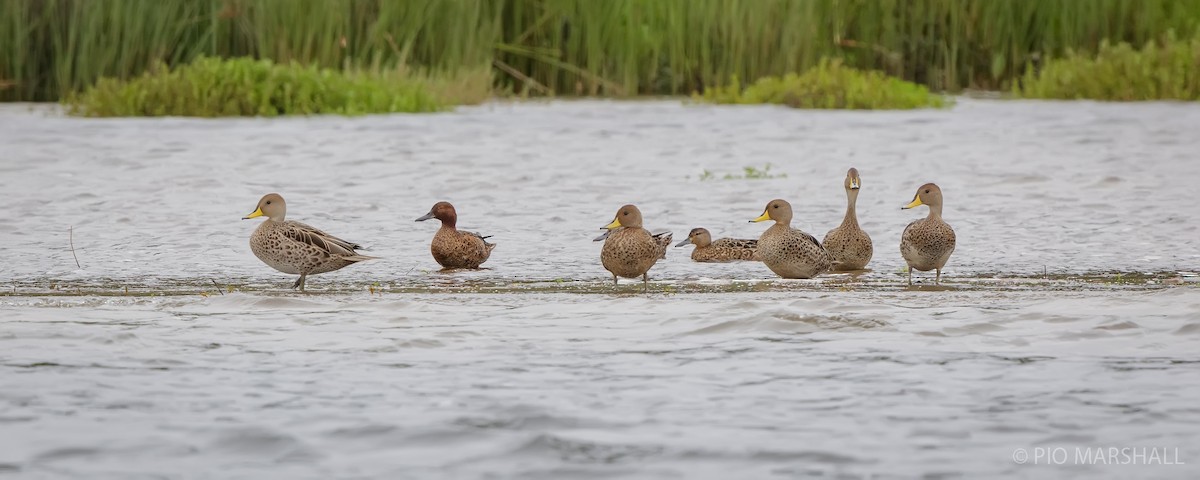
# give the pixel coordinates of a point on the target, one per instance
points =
(935, 212)
(851, 217)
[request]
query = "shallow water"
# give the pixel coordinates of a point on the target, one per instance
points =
(207, 367)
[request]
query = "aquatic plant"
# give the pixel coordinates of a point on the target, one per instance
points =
(748, 173)
(212, 87)
(829, 85)
(614, 47)
(1120, 72)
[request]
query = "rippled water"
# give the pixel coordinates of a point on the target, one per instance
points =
(533, 368)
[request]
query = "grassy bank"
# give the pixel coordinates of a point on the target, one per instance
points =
(214, 87)
(612, 47)
(829, 85)
(1166, 71)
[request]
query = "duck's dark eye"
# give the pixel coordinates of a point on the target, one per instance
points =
(927, 191)
(774, 206)
(268, 202)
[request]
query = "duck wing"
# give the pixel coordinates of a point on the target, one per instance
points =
(310, 235)
(739, 243)
(481, 237)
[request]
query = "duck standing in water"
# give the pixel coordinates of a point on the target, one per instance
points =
(720, 250)
(296, 248)
(926, 244)
(452, 248)
(848, 244)
(787, 251)
(630, 250)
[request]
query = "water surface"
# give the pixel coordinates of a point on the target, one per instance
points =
(1070, 315)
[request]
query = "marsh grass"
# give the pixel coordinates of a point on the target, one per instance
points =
(213, 87)
(829, 85)
(566, 47)
(1120, 72)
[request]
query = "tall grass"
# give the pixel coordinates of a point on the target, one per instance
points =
(608, 47)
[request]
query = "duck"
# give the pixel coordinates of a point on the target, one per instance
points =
(295, 248)
(629, 250)
(787, 251)
(848, 244)
(926, 244)
(453, 248)
(720, 250)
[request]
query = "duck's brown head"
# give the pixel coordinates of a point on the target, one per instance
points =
(627, 216)
(928, 194)
(852, 180)
(271, 206)
(443, 211)
(698, 237)
(778, 210)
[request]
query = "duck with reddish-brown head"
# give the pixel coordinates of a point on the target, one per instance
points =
(453, 248)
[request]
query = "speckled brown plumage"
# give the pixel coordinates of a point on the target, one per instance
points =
(787, 251)
(452, 248)
(630, 250)
(926, 244)
(296, 248)
(848, 245)
(720, 250)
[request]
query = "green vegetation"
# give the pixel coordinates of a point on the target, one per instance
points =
(1170, 71)
(49, 48)
(829, 85)
(748, 173)
(212, 87)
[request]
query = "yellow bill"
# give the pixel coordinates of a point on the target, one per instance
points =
(257, 213)
(915, 203)
(616, 223)
(762, 218)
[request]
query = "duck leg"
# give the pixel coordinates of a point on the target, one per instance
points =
(938, 279)
(645, 283)
(301, 281)
(614, 280)
(910, 276)
(296, 284)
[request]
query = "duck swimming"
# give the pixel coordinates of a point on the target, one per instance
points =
(630, 250)
(453, 248)
(787, 251)
(720, 250)
(926, 244)
(295, 248)
(848, 244)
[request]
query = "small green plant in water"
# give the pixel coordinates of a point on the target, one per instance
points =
(212, 87)
(1170, 71)
(748, 173)
(829, 85)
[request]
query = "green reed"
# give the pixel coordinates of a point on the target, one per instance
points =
(609, 47)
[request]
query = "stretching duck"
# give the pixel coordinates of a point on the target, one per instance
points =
(630, 250)
(848, 244)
